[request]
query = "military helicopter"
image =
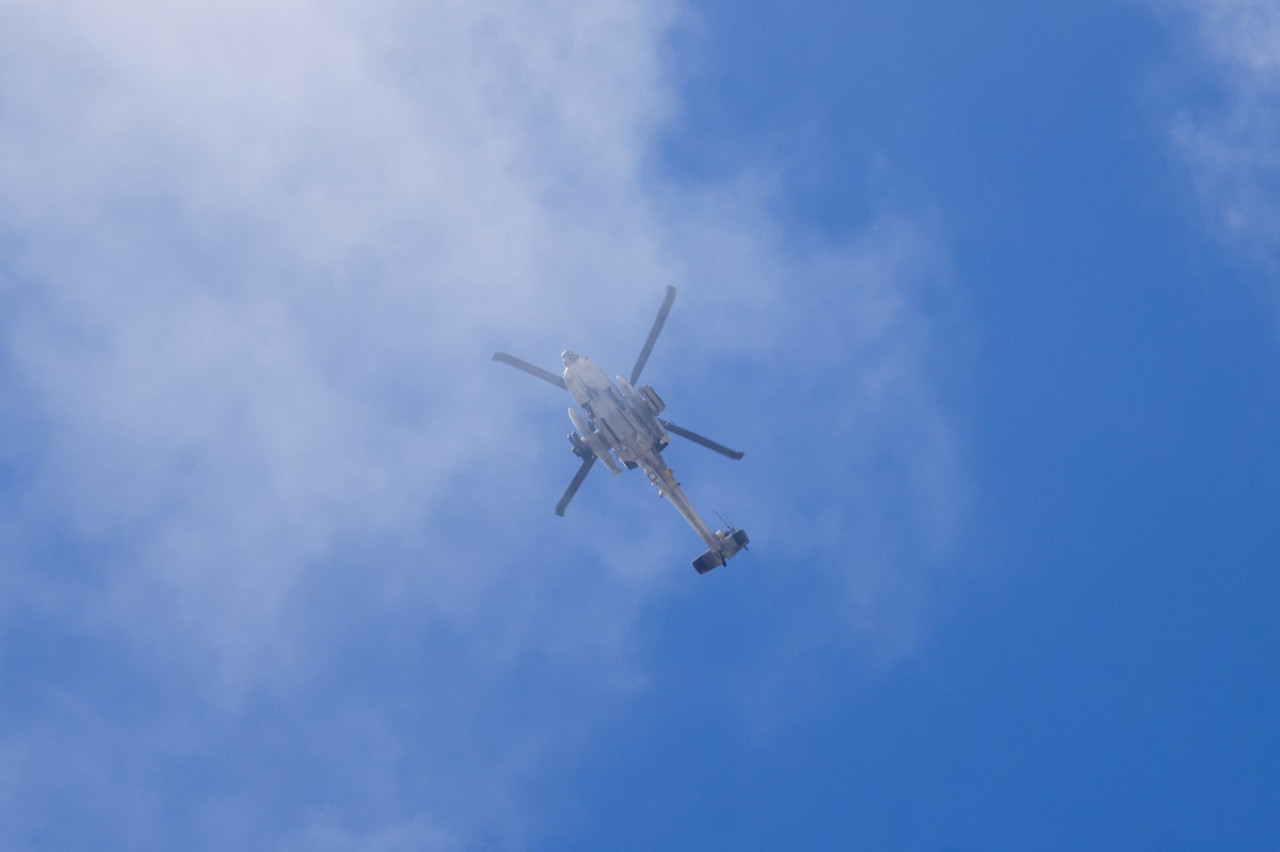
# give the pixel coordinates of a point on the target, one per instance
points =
(619, 424)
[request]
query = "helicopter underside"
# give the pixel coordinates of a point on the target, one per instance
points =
(624, 422)
(618, 425)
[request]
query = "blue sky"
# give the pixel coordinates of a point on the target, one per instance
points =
(988, 293)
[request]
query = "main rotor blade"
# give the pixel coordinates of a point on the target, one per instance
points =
(698, 439)
(653, 333)
(573, 486)
(545, 375)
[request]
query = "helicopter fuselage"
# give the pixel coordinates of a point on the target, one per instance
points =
(621, 425)
(618, 425)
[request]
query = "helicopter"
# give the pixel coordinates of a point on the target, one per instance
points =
(618, 425)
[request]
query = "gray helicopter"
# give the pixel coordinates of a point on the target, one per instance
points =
(619, 425)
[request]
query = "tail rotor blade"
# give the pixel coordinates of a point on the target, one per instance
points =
(573, 486)
(545, 375)
(653, 333)
(698, 439)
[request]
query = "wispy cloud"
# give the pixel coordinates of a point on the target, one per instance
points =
(255, 259)
(1231, 141)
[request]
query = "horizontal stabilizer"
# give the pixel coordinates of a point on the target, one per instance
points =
(730, 544)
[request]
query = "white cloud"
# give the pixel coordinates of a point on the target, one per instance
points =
(1231, 144)
(256, 257)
